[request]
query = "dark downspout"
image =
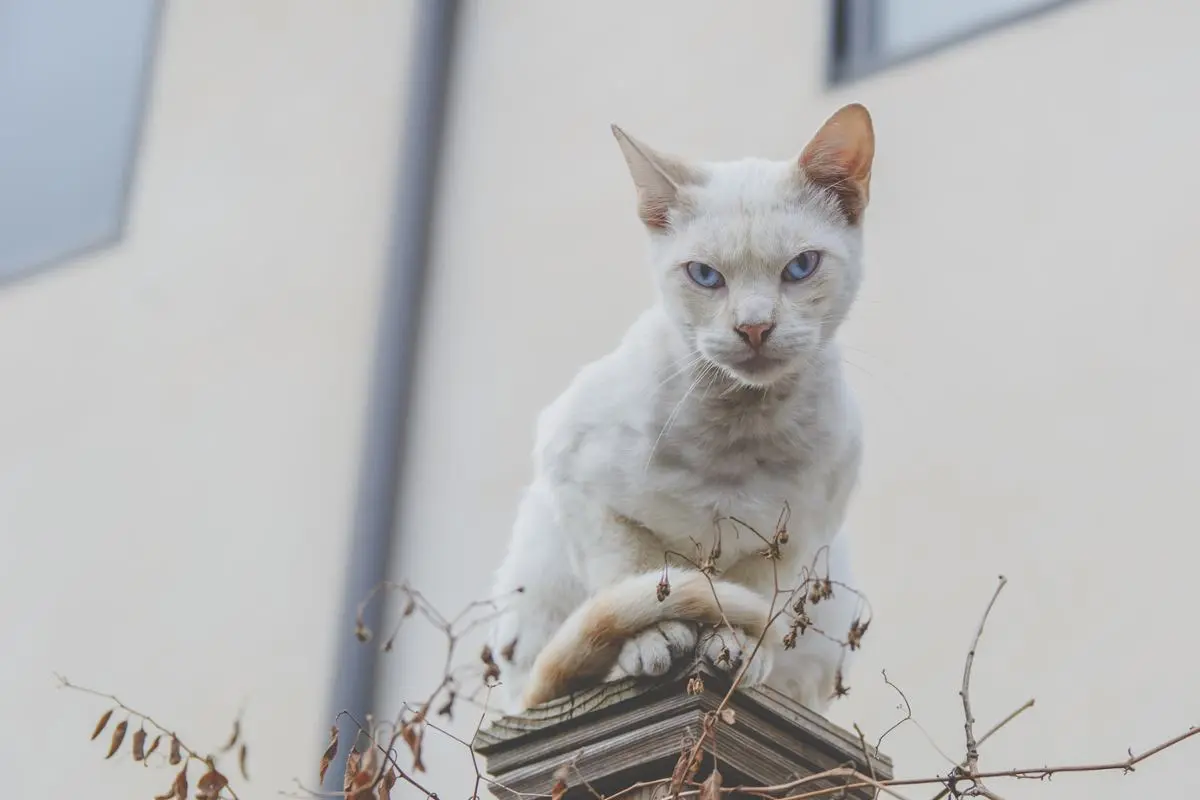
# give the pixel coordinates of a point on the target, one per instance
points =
(389, 401)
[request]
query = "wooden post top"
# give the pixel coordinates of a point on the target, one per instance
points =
(619, 734)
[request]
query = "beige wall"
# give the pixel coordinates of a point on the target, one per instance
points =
(181, 413)
(1023, 347)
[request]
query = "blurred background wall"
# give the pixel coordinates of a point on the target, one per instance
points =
(183, 409)
(181, 405)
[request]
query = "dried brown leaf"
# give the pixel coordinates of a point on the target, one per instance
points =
(233, 736)
(857, 631)
(414, 736)
(330, 752)
(102, 722)
(170, 794)
(139, 744)
(560, 783)
(509, 649)
(181, 784)
(118, 736)
(447, 709)
(384, 791)
(176, 754)
(711, 788)
(359, 786)
(685, 769)
(210, 784)
(153, 746)
(242, 753)
(840, 689)
(491, 670)
(353, 758)
(370, 761)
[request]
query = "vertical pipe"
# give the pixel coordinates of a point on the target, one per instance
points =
(389, 400)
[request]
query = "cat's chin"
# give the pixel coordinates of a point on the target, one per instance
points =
(759, 371)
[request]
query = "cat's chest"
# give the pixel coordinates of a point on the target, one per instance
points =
(692, 493)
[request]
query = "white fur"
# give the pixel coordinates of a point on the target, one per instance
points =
(651, 448)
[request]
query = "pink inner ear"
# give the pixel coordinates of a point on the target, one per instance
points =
(831, 156)
(835, 166)
(653, 211)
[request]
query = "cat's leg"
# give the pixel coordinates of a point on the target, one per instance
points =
(535, 589)
(565, 547)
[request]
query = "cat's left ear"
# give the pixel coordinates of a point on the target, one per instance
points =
(658, 178)
(839, 159)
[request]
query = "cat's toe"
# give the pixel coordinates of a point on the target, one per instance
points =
(681, 637)
(654, 650)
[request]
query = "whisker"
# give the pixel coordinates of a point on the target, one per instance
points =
(689, 360)
(674, 412)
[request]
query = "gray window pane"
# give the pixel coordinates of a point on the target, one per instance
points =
(72, 79)
(912, 24)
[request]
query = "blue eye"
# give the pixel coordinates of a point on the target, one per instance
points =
(704, 275)
(802, 266)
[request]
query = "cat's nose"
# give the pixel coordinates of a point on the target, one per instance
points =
(755, 334)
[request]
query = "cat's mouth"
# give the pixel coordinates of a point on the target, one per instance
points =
(759, 369)
(758, 364)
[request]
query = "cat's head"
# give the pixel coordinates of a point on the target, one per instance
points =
(758, 262)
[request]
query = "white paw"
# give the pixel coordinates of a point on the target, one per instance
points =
(657, 648)
(727, 648)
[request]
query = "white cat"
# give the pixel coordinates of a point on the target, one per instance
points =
(725, 398)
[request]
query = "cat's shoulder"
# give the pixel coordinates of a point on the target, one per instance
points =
(607, 393)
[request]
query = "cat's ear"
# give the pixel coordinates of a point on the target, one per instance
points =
(657, 176)
(839, 159)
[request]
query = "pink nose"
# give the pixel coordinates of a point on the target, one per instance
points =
(754, 335)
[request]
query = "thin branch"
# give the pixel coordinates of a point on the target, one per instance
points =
(870, 762)
(413, 720)
(1025, 707)
(972, 758)
(145, 718)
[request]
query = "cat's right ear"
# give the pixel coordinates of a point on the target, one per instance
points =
(839, 159)
(657, 177)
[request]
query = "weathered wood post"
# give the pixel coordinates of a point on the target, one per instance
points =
(621, 734)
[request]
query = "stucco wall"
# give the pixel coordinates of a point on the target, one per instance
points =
(181, 412)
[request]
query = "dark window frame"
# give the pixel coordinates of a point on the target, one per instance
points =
(856, 49)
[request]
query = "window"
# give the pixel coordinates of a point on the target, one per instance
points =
(870, 34)
(72, 78)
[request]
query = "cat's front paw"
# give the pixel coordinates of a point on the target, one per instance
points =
(727, 648)
(656, 649)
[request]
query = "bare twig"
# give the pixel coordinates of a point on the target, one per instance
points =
(1028, 704)
(375, 772)
(972, 759)
(176, 742)
(870, 762)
